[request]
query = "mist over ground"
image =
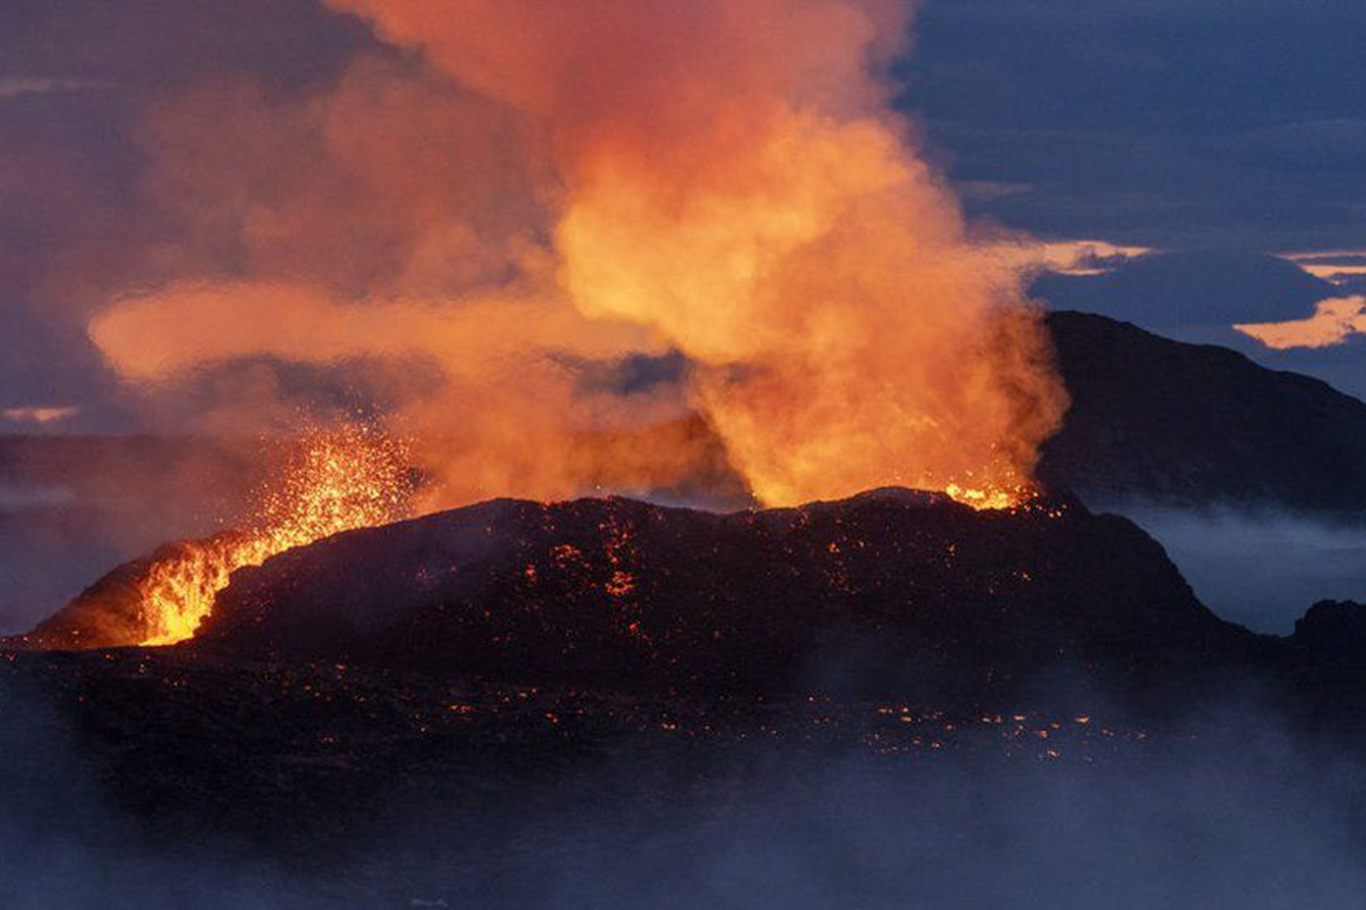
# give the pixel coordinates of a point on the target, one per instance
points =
(1183, 829)
(1235, 810)
(1261, 568)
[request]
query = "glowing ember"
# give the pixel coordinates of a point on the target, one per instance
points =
(338, 480)
(990, 497)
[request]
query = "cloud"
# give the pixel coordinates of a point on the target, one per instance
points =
(39, 414)
(1068, 257)
(20, 86)
(1338, 266)
(225, 154)
(148, 45)
(1160, 124)
(1173, 292)
(987, 190)
(1333, 322)
(188, 326)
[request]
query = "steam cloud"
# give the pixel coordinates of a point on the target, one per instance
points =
(532, 190)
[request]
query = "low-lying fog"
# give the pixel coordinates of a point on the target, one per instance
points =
(1259, 568)
(1244, 816)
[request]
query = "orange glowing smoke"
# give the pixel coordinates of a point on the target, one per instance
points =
(338, 480)
(723, 178)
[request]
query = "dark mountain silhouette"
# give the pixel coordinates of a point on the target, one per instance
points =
(1335, 632)
(1161, 419)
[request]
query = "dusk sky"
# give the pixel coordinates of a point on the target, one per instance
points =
(1175, 126)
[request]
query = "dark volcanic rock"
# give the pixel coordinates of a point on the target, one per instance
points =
(888, 591)
(1333, 633)
(1329, 653)
(1159, 419)
(1337, 625)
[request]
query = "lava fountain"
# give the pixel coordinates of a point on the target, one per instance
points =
(337, 480)
(332, 480)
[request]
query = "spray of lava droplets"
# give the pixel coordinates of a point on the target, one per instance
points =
(335, 480)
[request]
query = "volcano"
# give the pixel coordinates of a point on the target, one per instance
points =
(462, 660)
(1151, 420)
(889, 592)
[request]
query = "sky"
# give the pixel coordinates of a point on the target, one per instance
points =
(1165, 123)
(1173, 126)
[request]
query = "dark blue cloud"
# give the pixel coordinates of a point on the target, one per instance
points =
(1197, 296)
(1165, 123)
(1172, 292)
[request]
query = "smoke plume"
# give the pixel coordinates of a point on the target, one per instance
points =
(525, 193)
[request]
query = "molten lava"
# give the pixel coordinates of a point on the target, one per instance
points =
(338, 480)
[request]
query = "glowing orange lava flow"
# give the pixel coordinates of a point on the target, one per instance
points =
(991, 497)
(340, 479)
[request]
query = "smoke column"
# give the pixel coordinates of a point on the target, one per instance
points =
(721, 179)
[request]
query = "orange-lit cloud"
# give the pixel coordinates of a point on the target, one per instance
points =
(511, 416)
(1066, 257)
(40, 414)
(544, 185)
(1330, 265)
(1333, 322)
(187, 326)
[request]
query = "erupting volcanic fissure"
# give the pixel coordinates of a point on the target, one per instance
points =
(337, 480)
(547, 190)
